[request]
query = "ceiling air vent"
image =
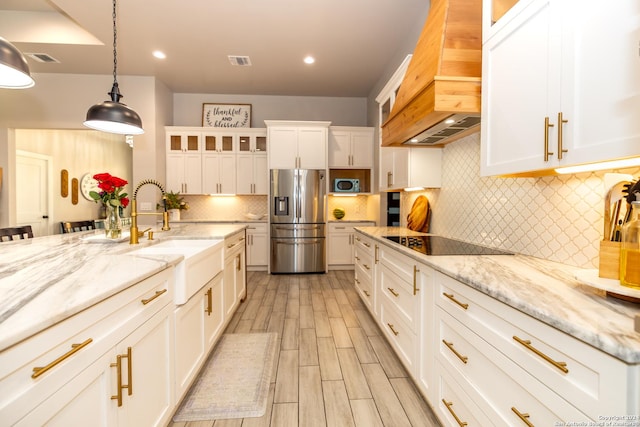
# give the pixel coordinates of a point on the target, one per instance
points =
(243, 61)
(42, 57)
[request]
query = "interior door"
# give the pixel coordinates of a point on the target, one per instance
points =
(32, 191)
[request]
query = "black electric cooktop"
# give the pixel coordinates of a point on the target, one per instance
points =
(436, 245)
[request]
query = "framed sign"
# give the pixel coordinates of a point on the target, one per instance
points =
(226, 115)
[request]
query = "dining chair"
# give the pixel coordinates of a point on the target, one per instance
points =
(12, 233)
(74, 226)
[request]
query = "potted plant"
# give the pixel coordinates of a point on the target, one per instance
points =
(175, 203)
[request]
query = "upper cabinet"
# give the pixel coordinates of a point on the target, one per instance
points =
(402, 168)
(560, 79)
(297, 145)
(252, 173)
(351, 147)
(184, 166)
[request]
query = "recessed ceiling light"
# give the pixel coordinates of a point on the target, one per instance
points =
(159, 54)
(309, 59)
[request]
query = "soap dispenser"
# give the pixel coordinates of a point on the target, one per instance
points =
(630, 249)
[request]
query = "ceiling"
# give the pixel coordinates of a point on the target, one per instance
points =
(352, 41)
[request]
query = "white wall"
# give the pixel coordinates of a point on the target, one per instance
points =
(187, 109)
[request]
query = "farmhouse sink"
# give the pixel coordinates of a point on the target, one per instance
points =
(203, 260)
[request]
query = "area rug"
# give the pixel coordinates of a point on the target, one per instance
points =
(234, 382)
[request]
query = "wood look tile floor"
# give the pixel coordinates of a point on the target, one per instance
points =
(334, 366)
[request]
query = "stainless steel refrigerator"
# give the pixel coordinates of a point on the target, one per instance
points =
(297, 220)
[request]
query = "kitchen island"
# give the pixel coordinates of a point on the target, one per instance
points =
(82, 320)
(492, 338)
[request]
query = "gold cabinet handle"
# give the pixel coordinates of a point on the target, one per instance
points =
(238, 262)
(120, 386)
(547, 125)
(452, 298)
(39, 370)
(389, 179)
(449, 407)
(561, 121)
(366, 266)
(357, 239)
(357, 281)
(392, 329)
(366, 244)
(157, 294)
(523, 416)
(209, 308)
(393, 291)
(357, 258)
(366, 293)
(375, 256)
(527, 343)
(416, 270)
(449, 345)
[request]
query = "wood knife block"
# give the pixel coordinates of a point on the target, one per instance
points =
(609, 265)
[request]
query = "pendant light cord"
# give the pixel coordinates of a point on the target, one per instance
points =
(115, 90)
(115, 53)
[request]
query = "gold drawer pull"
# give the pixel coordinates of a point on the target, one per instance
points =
(415, 274)
(366, 244)
(376, 254)
(148, 300)
(209, 308)
(357, 281)
(366, 266)
(392, 330)
(523, 416)
(393, 291)
(449, 407)
(449, 345)
(527, 343)
(367, 293)
(452, 298)
(357, 238)
(357, 258)
(118, 366)
(37, 371)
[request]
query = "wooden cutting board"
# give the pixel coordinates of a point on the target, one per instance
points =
(418, 218)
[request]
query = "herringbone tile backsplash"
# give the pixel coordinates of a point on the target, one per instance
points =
(559, 218)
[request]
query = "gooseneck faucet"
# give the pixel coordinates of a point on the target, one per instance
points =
(133, 232)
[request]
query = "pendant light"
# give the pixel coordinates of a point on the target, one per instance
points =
(113, 116)
(14, 70)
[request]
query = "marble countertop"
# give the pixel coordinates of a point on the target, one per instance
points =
(545, 290)
(48, 279)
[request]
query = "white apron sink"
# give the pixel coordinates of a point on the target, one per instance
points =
(203, 260)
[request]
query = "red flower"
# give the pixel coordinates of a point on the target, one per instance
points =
(112, 188)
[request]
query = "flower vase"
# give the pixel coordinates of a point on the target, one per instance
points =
(113, 224)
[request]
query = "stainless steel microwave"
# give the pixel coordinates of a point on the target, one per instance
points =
(346, 185)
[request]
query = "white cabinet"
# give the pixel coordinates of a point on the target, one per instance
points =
(542, 372)
(219, 173)
(257, 246)
(109, 365)
(366, 260)
(341, 243)
(252, 173)
(574, 108)
(252, 170)
(184, 168)
(297, 145)
(350, 147)
(214, 319)
(234, 280)
(410, 168)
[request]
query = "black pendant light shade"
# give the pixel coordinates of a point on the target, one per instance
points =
(113, 116)
(14, 70)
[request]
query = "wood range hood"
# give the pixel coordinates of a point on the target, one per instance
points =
(438, 100)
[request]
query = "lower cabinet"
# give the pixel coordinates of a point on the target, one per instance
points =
(478, 361)
(366, 260)
(257, 246)
(109, 365)
(341, 243)
(234, 280)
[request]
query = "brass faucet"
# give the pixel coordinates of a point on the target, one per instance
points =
(133, 232)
